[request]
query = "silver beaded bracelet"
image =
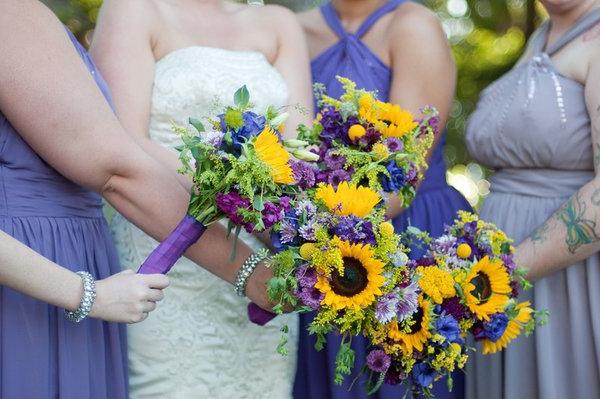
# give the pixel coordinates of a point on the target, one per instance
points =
(246, 271)
(87, 299)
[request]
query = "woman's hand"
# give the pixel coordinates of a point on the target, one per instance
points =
(127, 297)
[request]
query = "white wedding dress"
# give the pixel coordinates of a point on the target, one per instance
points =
(199, 342)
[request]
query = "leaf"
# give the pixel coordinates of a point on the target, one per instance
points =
(259, 204)
(197, 125)
(320, 343)
(375, 387)
(238, 229)
(241, 98)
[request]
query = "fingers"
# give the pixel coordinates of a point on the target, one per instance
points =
(159, 281)
(148, 307)
(155, 295)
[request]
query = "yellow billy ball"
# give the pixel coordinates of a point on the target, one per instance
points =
(356, 131)
(307, 250)
(386, 228)
(463, 251)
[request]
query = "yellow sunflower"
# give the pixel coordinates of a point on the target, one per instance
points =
(348, 199)
(360, 283)
(419, 332)
(486, 288)
(394, 121)
(271, 152)
(513, 329)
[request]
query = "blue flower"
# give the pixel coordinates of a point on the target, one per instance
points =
(253, 125)
(448, 327)
(395, 181)
(354, 230)
(423, 374)
(494, 329)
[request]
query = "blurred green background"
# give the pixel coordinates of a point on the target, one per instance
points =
(487, 38)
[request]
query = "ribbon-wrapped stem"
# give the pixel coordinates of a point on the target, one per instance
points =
(258, 315)
(162, 259)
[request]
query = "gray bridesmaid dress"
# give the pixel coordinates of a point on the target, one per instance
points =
(532, 127)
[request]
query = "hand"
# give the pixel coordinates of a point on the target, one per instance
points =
(256, 289)
(127, 297)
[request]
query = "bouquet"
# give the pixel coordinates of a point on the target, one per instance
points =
(369, 142)
(466, 284)
(240, 169)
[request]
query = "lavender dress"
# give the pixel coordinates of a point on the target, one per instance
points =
(43, 356)
(435, 205)
(533, 128)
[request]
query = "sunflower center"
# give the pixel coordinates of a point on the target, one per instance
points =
(418, 319)
(483, 287)
(353, 281)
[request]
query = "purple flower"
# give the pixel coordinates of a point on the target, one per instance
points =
(453, 307)
(448, 327)
(393, 376)
(271, 214)
(311, 297)
(284, 202)
(385, 310)
(334, 126)
(470, 228)
(288, 232)
(354, 230)
(306, 276)
(338, 176)
(230, 204)
(495, 327)
(423, 374)
(509, 263)
(408, 303)
(394, 144)
(307, 208)
(444, 244)
(371, 137)
(411, 175)
(378, 361)
(303, 174)
(307, 231)
(395, 181)
(334, 161)
(322, 177)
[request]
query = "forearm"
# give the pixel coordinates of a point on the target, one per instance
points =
(29, 273)
(168, 158)
(570, 235)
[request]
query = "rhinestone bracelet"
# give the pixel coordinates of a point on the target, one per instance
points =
(246, 271)
(87, 299)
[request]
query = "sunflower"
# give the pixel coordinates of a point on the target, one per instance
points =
(348, 199)
(360, 282)
(394, 121)
(418, 333)
(513, 329)
(486, 288)
(271, 152)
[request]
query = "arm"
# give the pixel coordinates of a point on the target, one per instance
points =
(572, 233)
(293, 63)
(65, 119)
(124, 297)
(422, 74)
(122, 50)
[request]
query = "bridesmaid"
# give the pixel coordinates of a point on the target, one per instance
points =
(379, 45)
(539, 127)
(59, 140)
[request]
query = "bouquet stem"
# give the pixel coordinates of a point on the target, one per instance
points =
(162, 259)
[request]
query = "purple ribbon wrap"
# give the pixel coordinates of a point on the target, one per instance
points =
(162, 259)
(258, 315)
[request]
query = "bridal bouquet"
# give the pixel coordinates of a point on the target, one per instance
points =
(369, 142)
(240, 169)
(466, 284)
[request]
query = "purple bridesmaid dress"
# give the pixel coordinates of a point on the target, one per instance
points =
(435, 206)
(42, 355)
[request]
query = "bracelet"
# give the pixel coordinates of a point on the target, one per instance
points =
(87, 299)
(246, 271)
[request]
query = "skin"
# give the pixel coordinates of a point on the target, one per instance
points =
(75, 131)
(132, 35)
(414, 83)
(572, 233)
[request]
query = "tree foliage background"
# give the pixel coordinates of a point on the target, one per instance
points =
(487, 38)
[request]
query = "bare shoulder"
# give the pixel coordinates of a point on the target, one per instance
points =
(412, 19)
(311, 19)
(276, 14)
(134, 13)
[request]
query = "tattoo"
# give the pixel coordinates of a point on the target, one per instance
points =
(539, 234)
(596, 197)
(580, 231)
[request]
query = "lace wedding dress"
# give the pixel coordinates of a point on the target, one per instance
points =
(199, 342)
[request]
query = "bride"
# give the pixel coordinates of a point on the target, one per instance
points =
(167, 60)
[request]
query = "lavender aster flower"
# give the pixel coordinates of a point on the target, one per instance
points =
(307, 231)
(306, 207)
(394, 144)
(385, 310)
(509, 263)
(354, 230)
(378, 361)
(306, 276)
(338, 176)
(288, 231)
(303, 174)
(408, 303)
(334, 161)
